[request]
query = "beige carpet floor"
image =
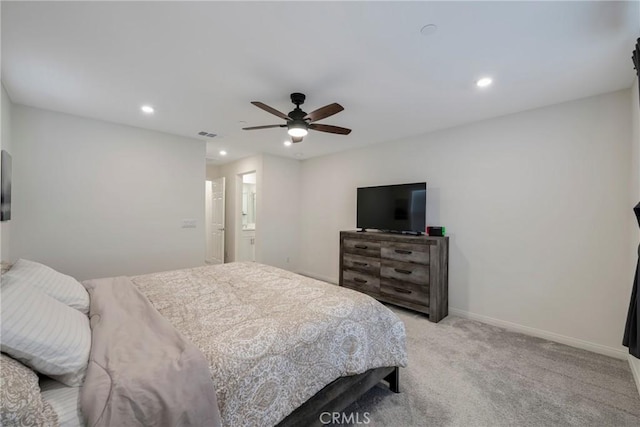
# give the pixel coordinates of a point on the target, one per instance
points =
(466, 373)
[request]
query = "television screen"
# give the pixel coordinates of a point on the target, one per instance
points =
(399, 208)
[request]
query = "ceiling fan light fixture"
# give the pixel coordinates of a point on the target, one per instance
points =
(298, 129)
(298, 132)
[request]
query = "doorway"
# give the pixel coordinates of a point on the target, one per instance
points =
(214, 221)
(246, 230)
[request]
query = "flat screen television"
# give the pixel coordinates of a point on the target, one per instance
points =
(395, 208)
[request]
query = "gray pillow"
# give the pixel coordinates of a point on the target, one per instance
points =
(21, 403)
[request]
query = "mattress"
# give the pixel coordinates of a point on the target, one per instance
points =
(65, 401)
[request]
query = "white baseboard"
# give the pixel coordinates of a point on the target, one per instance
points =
(634, 364)
(551, 336)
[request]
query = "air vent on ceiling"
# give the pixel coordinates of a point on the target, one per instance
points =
(207, 134)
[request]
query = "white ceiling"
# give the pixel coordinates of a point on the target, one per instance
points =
(201, 63)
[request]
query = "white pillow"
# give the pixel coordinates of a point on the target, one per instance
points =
(43, 333)
(59, 286)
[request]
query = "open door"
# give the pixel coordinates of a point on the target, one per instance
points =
(215, 221)
(245, 236)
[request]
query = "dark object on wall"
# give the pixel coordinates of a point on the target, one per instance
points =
(636, 61)
(5, 183)
(632, 328)
(436, 231)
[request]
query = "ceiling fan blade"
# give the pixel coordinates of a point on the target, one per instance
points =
(329, 128)
(324, 112)
(264, 127)
(271, 110)
(295, 139)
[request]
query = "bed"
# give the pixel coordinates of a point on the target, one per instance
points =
(279, 348)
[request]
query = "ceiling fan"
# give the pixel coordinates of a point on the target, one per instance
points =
(299, 122)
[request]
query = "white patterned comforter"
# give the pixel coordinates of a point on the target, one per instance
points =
(274, 338)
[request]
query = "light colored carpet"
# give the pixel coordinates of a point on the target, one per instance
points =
(466, 373)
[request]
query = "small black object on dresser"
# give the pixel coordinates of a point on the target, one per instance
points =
(436, 231)
(408, 271)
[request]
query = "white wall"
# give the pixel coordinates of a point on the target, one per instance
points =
(213, 172)
(279, 212)
(5, 144)
(536, 205)
(96, 199)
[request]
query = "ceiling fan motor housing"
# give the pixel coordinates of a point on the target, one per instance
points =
(297, 115)
(298, 98)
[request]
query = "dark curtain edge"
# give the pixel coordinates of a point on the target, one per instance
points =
(631, 337)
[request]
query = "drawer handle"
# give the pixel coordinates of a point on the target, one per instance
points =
(402, 291)
(361, 246)
(359, 280)
(402, 251)
(363, 264)
(399, 270)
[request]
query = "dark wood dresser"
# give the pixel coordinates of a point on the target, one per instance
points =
(408, 271)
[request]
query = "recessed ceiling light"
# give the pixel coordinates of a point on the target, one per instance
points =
(484, 82)
(287, 143)
(429, 29)
(223, 153)
(147, 109)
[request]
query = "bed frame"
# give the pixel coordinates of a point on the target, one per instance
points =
(339, 394)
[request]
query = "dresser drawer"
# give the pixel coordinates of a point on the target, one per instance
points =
(404, 291)
(405, 272)
(361, 247)
(361, 263)
(361, 282)
(405, 252)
